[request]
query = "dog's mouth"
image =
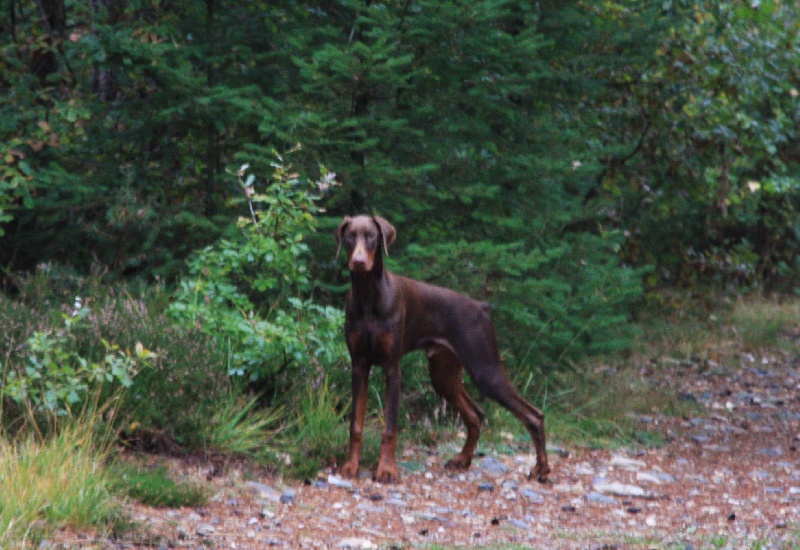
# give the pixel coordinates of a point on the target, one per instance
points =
(359, 267)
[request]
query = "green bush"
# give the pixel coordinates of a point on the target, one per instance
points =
(251, 293)
(167, 406)
(54, 375)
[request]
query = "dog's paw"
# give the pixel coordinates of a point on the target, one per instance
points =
(349, 469)
(458, 463)
(386, 474)
(540, 473)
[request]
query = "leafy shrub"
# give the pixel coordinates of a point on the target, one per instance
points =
(251, 293)
(167, 406)
(56, 376)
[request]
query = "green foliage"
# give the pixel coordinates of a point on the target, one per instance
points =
(56, 376)
(105, 106)
(462, 134)
(538, 156)
(707, 188)
(248, 292)
(55, 481)
(155, 487)
(498, 121)
(239, 426)
(168, 405)
(320, 431)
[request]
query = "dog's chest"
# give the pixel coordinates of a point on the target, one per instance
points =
(369, 338)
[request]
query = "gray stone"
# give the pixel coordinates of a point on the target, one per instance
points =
(616, 488)
(336, 481)
(510, 485)
(355, 543)
(204, 530)
(491, 465)
(600, 498)
(625, 462)
(556, 450)
(264, 491)
(519, 523)
(770, 451)
(430, 517)
(531, 495)
(655, 477)
(370, 508)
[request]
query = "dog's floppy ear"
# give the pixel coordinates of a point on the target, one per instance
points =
(388, 232)
(340, 234)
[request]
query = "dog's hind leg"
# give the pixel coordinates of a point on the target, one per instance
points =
(446, 375)
(493, 383)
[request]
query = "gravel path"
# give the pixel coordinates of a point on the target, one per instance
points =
(728, 478)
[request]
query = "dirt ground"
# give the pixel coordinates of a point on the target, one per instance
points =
(727, 478)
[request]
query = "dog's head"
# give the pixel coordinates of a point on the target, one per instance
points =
(362, 237)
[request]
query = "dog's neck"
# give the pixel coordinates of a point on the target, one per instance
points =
(369, 287)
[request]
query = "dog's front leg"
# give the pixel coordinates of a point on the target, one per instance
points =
(387, 466)
(360, 382)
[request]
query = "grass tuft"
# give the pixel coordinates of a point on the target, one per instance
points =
(319, 432)
(238, 426)
(55, 482)
(155, 487)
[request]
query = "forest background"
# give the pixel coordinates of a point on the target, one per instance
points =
(171, 173)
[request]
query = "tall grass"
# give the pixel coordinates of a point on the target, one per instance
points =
(720, 328)
(760, 323)
(49, 482)
(319, 432)
(239, 426)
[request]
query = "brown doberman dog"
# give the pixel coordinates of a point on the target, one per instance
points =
(389, 315)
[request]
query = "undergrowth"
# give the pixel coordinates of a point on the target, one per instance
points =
(719, 327)
(57, 480)
(56, 473)
(155, 486)
(238, 425)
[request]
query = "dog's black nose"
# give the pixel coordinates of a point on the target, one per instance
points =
(358, 262)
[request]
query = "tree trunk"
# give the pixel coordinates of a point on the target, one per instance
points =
(54, 16)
